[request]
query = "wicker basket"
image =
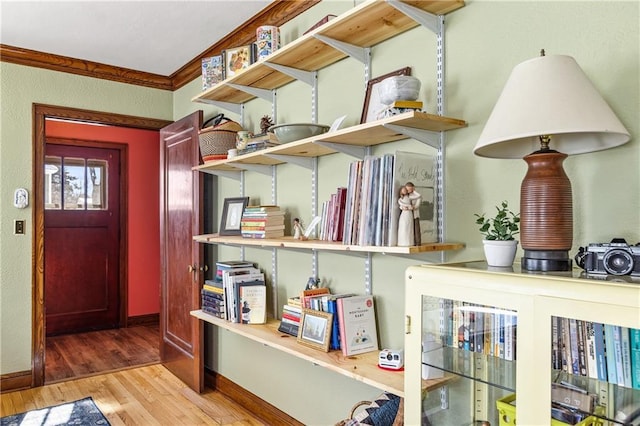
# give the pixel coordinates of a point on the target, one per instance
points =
(217, 139)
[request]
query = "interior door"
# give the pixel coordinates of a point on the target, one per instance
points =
(181, 258)
(82, 234)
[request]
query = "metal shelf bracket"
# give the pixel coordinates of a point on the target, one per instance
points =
(304, 76)
(361, 54)
(229, 106)
(255, 91)
(425, 136)
(426, 19)
(354, 151)
(305, 162)
(258, 168)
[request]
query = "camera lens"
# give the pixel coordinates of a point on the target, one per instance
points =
(389, 357)
(617, 262)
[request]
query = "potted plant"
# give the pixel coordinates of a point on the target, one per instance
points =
(498, 231)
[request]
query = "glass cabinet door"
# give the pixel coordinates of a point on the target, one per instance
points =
(468, 362)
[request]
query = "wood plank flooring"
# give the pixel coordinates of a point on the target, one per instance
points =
(148, 395)
(83, 354)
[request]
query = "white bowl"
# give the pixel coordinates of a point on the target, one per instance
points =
(293, 132)
(398, 88)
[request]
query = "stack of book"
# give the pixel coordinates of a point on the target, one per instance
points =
(332, 217)
(399, 107)
(291, 313)
(262, 222)
(353, 330)
(258, 142)
(237, 294)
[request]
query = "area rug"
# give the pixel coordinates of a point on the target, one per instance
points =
(83, 412)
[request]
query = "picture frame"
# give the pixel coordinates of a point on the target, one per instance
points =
(372, 104)
(212, 71)
(232, 215)
(237, 59)
(315, 329)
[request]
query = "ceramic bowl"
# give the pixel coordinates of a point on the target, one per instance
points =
(293, 132)
(399, 88)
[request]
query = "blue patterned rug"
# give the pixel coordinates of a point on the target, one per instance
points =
(83, 412)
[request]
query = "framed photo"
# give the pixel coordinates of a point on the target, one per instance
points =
(237, 59)
(372, 104)
(212, 71)
(232, 215)
(315, 329)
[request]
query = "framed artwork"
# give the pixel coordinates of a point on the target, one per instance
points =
(315, 329)
(237, 59)
(372, 105)
(232, 215)
(212, 71)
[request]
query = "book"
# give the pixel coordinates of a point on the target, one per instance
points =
(306, 295)
(626, 356)
(237, 283)
(407, 104)
(212, 71)
(601, 362)
(357, 323)
(262, 208)
(253, 304)
(612, 371)
(634, 339)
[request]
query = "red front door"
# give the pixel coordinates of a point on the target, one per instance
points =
(82, 228)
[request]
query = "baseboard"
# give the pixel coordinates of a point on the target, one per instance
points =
(149, 319)
(256, 405)
(15, 381)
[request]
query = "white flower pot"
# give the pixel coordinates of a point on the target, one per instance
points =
(500, 253)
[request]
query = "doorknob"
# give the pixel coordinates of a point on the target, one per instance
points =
(204, 268)
(192, 268)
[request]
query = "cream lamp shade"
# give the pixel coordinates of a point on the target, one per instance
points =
(552, 96)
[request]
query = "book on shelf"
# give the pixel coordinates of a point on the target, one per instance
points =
(634, 339)
(253, 303)
(263, 234)
(253, 228)
(407, 104)
(357, 323)
(307, 295)
(262, 221)
(263, 208)
(230, 287)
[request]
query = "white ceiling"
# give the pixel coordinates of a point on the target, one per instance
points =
(153, 36)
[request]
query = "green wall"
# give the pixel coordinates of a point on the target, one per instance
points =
(484, 41)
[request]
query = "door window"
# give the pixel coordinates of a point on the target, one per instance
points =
(75, 183)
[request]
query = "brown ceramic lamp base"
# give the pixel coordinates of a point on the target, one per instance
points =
(546, 213)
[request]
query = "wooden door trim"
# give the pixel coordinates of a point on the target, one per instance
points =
(40, 113)
(123, 273)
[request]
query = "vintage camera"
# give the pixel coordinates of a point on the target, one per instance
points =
(614, 258)
(391, 359)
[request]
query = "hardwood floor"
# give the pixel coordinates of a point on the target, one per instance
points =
(148, 395)
(83, 354)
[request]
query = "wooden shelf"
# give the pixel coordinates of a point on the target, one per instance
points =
(291, 243)
(364, 26)
(363, 367)
(362, 135)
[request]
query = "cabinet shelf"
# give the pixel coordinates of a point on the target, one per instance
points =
(361, 135)
(363, 367)
(363, 26)
(291, 243)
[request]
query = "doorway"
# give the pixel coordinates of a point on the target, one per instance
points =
(41, 114)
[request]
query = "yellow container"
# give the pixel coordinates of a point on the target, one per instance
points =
(507, 413)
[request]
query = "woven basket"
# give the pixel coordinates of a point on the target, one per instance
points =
(217, 139)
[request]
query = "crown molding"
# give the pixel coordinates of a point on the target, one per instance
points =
(276, 13)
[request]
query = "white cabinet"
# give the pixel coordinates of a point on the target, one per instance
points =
(515, 310)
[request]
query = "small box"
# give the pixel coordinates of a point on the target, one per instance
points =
(507, 412)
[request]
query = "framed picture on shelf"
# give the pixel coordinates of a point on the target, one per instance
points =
(237, 59)
(315, 329)
(232, 215)
(372, 105)
(212, 71)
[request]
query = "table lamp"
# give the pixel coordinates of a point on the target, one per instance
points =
(548, 104)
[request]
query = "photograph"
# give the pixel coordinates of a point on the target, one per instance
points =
(232, 215)
(372, 105)
(315, 329)
(212, 71)
(237, 59)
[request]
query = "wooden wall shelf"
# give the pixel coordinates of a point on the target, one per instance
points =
(363, 367)
(363, 26)
(291, 243)
(361, 135)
